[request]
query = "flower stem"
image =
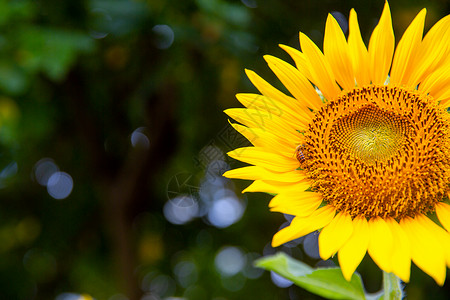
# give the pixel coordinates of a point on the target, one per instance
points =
(392, 287)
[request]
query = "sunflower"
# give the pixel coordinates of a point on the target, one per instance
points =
(360, 149)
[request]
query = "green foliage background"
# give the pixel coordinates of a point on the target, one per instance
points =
(77, 78)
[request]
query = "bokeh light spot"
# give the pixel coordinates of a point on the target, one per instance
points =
(230, 261)
(164, 36)
(73, 296)
(280, 281)
(225, 212)
(161, 284)
(311, 245)
(186, 273)
(43, 169)
(139, 139)
(60, 185)
(181, 209)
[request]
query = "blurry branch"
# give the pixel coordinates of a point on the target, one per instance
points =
(127, 190)
(131, 184)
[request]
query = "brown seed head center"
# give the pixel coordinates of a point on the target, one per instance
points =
(379, 151)
(370, 134)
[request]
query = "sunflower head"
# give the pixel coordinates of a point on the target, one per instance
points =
(361, 150)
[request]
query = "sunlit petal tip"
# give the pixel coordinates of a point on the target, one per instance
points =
(301, 226)
(353, 251)
(297, 84)
(381, 47)
(289, 233)
(386, 10)
(299, 59)
(426, 250)
(404, 61)
(336, 52)
(228, 174)
(401, 254)
(253, 187)
(321, 72)
(242, 173)
(381, 243)
(433, 53)
(268, 57)
(441, 235)
(358, 51)
(335, 234)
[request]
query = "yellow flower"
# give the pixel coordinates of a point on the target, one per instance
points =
(361, 148)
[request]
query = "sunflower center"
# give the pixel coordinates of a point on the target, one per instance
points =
(370, 134)
(379, 151)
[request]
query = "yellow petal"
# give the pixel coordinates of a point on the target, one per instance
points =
(260, 173)
(264, 139)
(274, 124)
(321, 72)
(274, 187)
(407, 50)
(295, 82)
(269, 91)
(273, 107)
(437, 84)
(426, 251)
(299, 209)
(434, 49)
(334, 235)
(443, 214)
(300, 60)
(380, 243)
(445, 101)
(442, 236)
(336, 52)
(352, 252)
(300, 204)
(256, 101)
(358, 51)
(401, 252)
(296, 196)
(263, 158)
(302, 226)
(381, 47)
(248, 133)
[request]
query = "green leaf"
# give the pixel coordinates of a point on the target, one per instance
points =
(12, 79)
(51, 50)
(15, 11)
(325, 282)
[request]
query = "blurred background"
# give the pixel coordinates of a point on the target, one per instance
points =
(113, 142)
